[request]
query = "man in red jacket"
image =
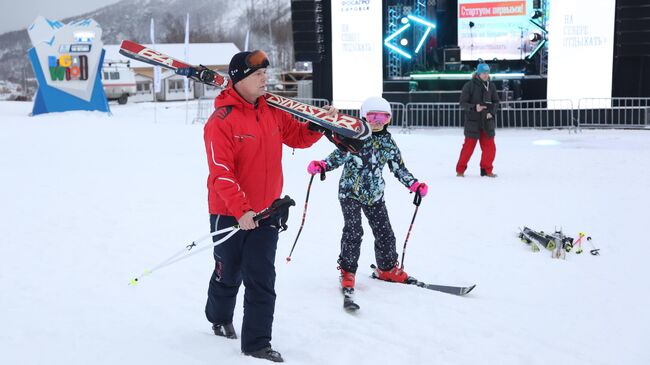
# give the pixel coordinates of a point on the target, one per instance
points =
(243, 142)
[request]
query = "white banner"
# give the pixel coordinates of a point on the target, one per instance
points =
(580, 49)
(356, 52)
(186, 54)
(156, 69)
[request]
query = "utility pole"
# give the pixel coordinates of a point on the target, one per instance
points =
(24, 82)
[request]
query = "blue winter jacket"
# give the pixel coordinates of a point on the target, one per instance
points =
(362, 178)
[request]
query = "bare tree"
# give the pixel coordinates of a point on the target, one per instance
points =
(175, 29)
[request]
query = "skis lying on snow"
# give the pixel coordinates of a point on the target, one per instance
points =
(344, 125)
(455, 290)
(348, 300)
(529, 240)
(548, 242)
(558, 243)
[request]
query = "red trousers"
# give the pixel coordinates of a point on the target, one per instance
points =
(488, 151)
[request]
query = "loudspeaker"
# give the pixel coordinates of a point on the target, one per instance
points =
(306, 6)
(308, 30)
(312, 27)
(451, 55)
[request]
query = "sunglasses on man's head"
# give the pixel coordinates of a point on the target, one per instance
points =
(377, 117)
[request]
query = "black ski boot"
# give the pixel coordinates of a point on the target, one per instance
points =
(485, 174)
(225, 330)
(266, 353)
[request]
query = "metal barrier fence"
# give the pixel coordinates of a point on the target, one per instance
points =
(399, 114)
(517, 114)
(433, 115)
(204, 110)
(536, 114)
(591, 113)
(614, 112)
(351, 112)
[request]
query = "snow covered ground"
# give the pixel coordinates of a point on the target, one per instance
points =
(89, 201)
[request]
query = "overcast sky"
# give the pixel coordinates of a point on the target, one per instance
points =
(19, 14)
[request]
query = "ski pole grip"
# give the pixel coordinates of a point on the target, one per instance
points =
(278, 206)
(417, 199)
(322, 174)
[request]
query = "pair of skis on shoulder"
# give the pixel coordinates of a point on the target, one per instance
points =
(344, 125)
(350, 305)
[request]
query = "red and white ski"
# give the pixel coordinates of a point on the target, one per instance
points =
(343, 125)
(340, 124)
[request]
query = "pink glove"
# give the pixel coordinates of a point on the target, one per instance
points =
(316, 167)
(418, 185)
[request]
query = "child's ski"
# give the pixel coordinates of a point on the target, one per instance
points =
(348, 300)
(455, 290)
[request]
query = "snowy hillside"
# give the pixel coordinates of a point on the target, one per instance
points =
(89, 201)
(211, 21)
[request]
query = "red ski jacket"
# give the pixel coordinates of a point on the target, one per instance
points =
(243, 143)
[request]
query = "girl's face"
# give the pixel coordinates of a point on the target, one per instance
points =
(377, 120)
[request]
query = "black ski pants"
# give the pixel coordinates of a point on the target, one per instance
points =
(377, 215)
(247, 256)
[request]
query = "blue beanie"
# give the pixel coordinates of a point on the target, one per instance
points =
(482, 68)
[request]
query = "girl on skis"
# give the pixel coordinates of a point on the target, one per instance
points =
(361, 188)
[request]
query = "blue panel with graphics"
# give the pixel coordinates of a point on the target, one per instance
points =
(49, 99)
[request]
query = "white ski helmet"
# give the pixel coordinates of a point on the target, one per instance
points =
(377, 104)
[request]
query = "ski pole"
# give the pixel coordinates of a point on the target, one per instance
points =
(594, 251)
(278, 206)
(578, 242)
(416, 200)
(304, 212)
(189, 250)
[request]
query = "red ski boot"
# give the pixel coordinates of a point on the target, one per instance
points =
(395, 274)
(347, 279)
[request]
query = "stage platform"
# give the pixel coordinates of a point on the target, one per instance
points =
(446, 88)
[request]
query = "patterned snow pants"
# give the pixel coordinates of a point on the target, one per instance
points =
(377, 215)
